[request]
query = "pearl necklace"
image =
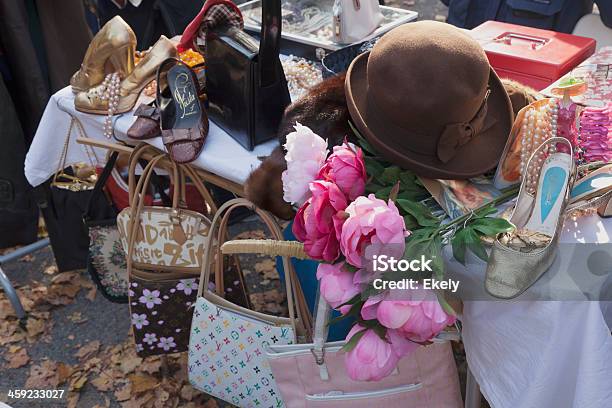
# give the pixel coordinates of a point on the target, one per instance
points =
(539, 125)
(109, 91)
(301, 75)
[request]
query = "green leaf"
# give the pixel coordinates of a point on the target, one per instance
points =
(447, 308)
(486, 210)
(421, 213)
(426, 242)
(373, 187)
(390, 175)
(367, 147)
(383, 193)
(408, 177)
(475, 244)
(459, 245)
(491, 226)
(373, 167)
(354, 340)
(411, 222)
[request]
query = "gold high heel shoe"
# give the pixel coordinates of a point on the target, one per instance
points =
(123, 99)
(111, 50)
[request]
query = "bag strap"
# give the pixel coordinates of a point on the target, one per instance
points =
(133, 188)
(269, 45)
(199, 185)
(291, 283)
(100, 183)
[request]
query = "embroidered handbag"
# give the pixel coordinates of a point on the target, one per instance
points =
(164, 249)
(106, 259)
(314, 375)
(226, 347)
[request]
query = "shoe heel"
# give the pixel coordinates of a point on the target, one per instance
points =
(121, 61)
(605, 209)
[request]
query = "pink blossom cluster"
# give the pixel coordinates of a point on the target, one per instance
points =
(337, 222)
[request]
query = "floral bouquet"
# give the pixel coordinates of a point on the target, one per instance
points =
(353, 206)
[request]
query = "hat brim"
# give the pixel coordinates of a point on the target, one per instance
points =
(474, 158)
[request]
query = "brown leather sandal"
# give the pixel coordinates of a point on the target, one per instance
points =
(183, 119)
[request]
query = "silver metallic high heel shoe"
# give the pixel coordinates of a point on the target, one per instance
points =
(521, 256)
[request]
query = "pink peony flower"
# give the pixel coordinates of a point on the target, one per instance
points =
(319, 221)
(306, 153)
(346, 168)
(371, 221)
(419, 319)
(373, 358)
(336, 285)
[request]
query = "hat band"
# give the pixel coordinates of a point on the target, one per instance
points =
(456, 135)
(444, 147)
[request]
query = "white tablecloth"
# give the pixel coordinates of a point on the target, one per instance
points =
(221, 154)
(543, 354)
(524, 354)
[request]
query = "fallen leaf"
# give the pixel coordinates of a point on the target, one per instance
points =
(142, 382)
(6, 309)
(211, 403)
(130, 363)
(77, 317)
(124, 393)
(17, 358)
(91, 294)
(251, 234)
(43, 375)
(34, 327)
(104, 382)
(88, 350)
(64, 371)
(50, 270)
(188, 392)
(73, 399)
(26, 258)
(78, 382)
(150, 365)
(65, 277)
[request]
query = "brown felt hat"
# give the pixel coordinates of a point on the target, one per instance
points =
(427, 99)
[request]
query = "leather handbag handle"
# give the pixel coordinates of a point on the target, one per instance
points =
(133, 187)
(269, 45)
(291, 283)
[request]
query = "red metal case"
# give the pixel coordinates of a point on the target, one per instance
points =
(531, 56)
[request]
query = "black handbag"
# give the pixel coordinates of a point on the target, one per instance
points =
(246, 86)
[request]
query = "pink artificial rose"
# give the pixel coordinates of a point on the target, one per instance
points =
(373, 358)
(306, 153)
(336, 285)
(319, 221)
(371, 221)
(346, 168)
(419, 318)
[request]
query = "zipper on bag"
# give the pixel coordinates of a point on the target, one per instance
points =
(342, 396)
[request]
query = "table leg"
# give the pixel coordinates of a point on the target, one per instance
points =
(9, 290)
(472, 391)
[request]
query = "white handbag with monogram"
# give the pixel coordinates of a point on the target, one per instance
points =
(226, 347)
(354, 20)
